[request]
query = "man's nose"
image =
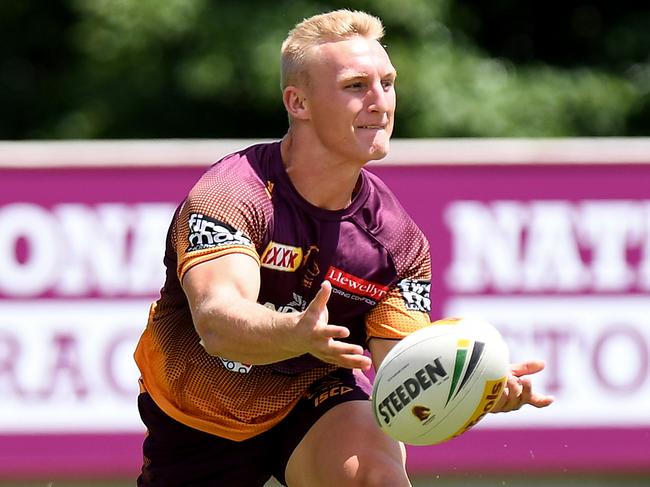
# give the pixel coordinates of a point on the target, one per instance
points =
(379, 100)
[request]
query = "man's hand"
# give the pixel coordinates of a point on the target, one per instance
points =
(316, 336)
(518, 390)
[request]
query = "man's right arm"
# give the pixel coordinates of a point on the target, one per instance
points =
(222, 295)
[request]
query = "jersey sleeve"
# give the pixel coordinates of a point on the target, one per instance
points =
(226, 212)
(406, 306)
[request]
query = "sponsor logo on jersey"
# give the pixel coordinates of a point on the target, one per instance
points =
(338, 390)
(409, 390)
(327, 388)
(457, 383)
(356, 285)
(281, 257)
(206, 233)
(234, 366)
(296, 305)
(415, 293)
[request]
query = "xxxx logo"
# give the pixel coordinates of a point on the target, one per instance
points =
(281, 257)
(463, 347)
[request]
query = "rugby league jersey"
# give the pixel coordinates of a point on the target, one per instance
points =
(375, 257)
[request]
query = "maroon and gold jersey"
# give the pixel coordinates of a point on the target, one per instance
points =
(375, 257)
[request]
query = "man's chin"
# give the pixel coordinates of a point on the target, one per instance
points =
(379, 150)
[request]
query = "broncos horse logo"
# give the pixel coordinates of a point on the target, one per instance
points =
(421, 412)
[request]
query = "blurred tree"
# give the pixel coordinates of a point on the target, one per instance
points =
(210, 68)
(610, 40)
(34, 53)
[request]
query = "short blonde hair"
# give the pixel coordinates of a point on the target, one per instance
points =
(334, 26)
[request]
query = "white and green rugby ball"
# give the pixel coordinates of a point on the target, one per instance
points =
(439, 381)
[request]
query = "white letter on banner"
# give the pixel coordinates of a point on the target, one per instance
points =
(118, 364)
(36, 227)
(10, 350)
(610, 228)
(552, 258)
(486, 245)
(604, 364)
(557, 341)
(67, 365)
(150, 222)
(96, 245)
(644, 265)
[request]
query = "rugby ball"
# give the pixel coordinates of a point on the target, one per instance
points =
(439, 381)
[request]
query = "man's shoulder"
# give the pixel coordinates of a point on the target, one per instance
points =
(237, 184)
(250, 167)
(256, 157)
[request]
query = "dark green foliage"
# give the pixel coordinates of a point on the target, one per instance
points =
(210, 69)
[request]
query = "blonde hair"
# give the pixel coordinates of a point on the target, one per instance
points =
(334, 26)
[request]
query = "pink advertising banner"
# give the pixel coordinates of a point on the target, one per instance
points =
(550, 242)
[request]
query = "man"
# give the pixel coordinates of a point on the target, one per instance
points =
(284, 262)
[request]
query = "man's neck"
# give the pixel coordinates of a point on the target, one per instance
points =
(319, 178)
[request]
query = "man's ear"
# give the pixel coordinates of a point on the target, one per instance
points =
(295, 102)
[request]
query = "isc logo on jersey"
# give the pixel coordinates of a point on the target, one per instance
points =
(281, 257)
(206, 232)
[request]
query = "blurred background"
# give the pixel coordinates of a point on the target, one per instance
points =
(521, 149)
(209, 69)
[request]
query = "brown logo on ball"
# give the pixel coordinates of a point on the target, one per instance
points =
(421, 412)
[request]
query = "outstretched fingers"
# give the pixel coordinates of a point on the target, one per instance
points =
(527, 368)
(534, 398)
(343, 354)
(324, 337)
(518, 390)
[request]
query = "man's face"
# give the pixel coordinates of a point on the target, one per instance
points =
(351, 98)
